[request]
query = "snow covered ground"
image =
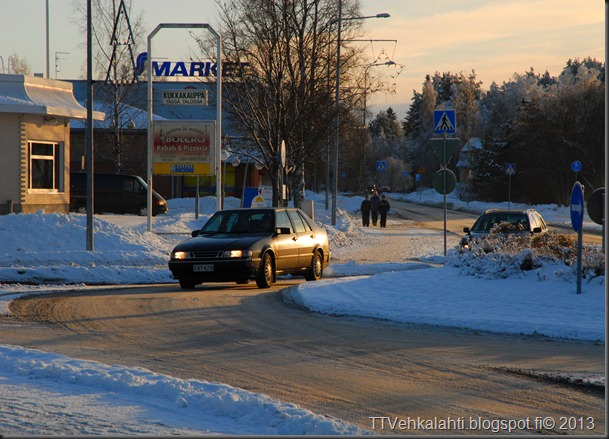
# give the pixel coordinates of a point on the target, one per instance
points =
(51, 394)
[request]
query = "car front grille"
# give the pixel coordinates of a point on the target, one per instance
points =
(207, 254)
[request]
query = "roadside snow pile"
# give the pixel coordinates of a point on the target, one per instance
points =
(48, 248)
(45, 236)
(199, 404)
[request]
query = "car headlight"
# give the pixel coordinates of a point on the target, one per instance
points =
(180, 255)
(237, 254)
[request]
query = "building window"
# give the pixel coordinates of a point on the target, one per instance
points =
(46, 166)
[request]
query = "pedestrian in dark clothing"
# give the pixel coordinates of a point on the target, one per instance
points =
(383, 209)
(374, 208)
(365, 208)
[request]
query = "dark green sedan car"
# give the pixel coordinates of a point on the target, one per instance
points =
(240, 245)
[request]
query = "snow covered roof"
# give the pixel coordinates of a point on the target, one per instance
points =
(33, 95)
(464, 154)
(473, 143)
(129, 118)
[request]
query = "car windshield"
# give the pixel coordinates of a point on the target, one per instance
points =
(240, 221)
(514, 222)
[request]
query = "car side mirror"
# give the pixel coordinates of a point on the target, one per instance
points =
(194, 233)
(466, 229)
(283, 230)
(537, 230)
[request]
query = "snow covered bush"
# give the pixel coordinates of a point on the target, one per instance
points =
(503, 255)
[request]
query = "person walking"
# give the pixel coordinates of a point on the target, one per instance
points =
(374, 207)
(383, 209)
(365, 208)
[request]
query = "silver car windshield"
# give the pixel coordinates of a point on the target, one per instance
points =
(486, 222)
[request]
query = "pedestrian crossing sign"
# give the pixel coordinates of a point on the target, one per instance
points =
(444, 121)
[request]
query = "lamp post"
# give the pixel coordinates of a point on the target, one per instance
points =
(337, 104)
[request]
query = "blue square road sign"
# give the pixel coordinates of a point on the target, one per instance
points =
(444, 121)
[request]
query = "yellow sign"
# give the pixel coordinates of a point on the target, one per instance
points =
(183, 147)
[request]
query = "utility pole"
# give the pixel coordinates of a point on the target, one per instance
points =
(47, 41)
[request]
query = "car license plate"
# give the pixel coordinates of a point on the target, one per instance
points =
(203, 268)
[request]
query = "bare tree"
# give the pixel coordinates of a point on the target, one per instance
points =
(286, 53)
(18, 66)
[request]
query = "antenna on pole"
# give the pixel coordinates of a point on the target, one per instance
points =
(57, 59)
(122, 10)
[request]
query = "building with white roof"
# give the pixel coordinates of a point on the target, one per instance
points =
(35, 116)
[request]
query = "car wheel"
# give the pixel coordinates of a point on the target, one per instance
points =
(316, 269)
(187, 284)
(267, 272)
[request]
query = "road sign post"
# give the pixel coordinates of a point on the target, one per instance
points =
(577, 221)
(576, 166)
(510, 169)
(405, 176)
(444, 181)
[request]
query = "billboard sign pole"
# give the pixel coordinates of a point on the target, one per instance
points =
(218, 131)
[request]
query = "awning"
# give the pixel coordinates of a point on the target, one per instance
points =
(33, 95)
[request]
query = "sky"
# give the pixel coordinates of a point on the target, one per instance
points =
(45, 392)
(495, 38)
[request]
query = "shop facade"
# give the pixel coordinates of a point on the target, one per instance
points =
(35, 116)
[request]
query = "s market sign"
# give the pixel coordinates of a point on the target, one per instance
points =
(181, 68)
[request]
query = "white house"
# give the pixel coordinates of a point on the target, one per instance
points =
(467, 156)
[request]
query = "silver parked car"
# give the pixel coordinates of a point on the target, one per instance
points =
(514, 221)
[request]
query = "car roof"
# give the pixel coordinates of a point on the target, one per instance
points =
(237, 209)
(506, 211)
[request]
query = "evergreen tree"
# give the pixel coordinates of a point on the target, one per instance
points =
(538, 122)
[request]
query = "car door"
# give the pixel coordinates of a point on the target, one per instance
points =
(286, 248)
(306, 239)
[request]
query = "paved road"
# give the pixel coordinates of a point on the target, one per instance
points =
(352, 368)
(345, 367)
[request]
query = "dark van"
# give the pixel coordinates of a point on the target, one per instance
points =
(114, 193)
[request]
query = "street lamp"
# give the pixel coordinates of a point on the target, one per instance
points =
(336, 101)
